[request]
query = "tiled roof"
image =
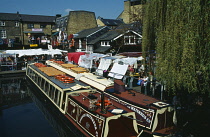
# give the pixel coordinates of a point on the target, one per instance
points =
(84, 33)
(106, 37)
(37, 18)
(8, 16)
(102, 49)
(111, 22)
(110, 35)
(27, 18)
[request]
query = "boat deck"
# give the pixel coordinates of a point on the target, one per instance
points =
(138, 98)
(91, 104)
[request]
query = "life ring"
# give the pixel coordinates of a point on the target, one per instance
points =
(60, 76)
(68, 78)
(106, 103)
(63, 78)
(69, 81)
(40, 65)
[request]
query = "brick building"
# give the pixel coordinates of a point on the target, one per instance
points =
(21, 30)
(132, 11)
(10, 32)
(71, 24)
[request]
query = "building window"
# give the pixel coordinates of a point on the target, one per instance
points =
(30, 26)
(105, 43)
(16, 24)
(131, 40)
(3, 34)
(43, 25)
(2, 23)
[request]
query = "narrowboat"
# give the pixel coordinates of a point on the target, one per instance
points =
(91, 111)
(154, 116)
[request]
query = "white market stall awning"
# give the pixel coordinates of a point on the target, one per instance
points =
(86, 60)
(31, 52)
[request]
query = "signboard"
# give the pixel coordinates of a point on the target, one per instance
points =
(33, 45)
(36, 29)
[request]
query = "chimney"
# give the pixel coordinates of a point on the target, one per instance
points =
(58, 15)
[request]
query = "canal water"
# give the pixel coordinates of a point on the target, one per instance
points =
(24, 114)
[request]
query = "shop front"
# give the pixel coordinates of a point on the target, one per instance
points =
(37, 39)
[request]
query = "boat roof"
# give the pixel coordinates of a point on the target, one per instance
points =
(64, 86)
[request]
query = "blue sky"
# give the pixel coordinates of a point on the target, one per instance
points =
(108, 9)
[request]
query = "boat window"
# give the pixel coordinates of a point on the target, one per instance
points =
(39, 80)
(51, 92)
(32, 75)
(47, 88)
(43, 84)
(36, 78)
(29, 72)
(59, 98)
(63, 100)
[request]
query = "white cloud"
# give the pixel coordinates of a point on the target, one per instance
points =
(67, 10)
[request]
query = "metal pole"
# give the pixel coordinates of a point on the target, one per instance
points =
(103, 111)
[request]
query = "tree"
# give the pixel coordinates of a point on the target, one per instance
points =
(179, 31)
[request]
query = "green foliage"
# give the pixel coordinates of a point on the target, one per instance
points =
(179, 31)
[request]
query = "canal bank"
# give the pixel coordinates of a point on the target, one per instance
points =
(12, 73)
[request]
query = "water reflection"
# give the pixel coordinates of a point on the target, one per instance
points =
(59, 122)
(20, 113)
(13, 92)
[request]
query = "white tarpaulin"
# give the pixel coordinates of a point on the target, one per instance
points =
(118, 71)
(140, 58)
(127, 61)
(103, 65)
(86, 60)
(30, 52)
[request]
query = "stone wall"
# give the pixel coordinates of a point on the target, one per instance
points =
(80, 20)
(11, 30)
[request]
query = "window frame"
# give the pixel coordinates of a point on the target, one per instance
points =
(131, 39)
(43, 25)
(2, 23)
(105, 43)
(17, 23)
(3, 34)
(30, 25)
